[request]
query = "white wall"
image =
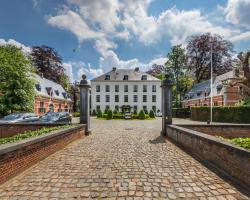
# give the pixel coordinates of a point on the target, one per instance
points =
(130, 94)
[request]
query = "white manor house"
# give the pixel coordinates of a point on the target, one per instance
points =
(126, 90)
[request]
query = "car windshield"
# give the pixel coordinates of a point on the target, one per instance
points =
(12, 116)
(50, 116)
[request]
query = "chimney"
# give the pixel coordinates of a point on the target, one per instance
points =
(114, 69)
(137, 69)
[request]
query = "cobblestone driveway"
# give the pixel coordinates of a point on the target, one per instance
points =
(120, 160)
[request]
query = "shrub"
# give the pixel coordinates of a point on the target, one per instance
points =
(99, 114)
(146, 112)
(94, 113)
(141, 115)
(181, 112)
(76, 114)
(109, 114)
(147, 116)
(115, 112)
(228, 114)
(151, 114)
(135, 112)
(106, 111)
(118, 116)
(134, 116)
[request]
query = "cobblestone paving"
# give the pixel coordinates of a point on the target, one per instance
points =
(120, 160)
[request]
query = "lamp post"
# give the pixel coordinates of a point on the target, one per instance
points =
(211, 85)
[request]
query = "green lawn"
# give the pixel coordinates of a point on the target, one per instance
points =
(28, 134)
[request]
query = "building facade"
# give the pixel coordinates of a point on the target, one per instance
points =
(126, 90)
(50, 96)
(224, 93)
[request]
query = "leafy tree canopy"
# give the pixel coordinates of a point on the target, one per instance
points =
(16, 83)
(198, 54)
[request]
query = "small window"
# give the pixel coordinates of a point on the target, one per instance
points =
(116, 88)
(107, 98)
(107, 88)
(125, 88)
(153, 88)
(154, 98)
(38, 87)
(125, 98)
(107, 77)
(135, 88)
(98, 88)
(125, 78)
(145, 88)
(59, 108)
(98, 98)
(154, 108)
(98, 107)
(107, 107)
(42, 109)
(144, 77)
(116, 98)
(66, 108)
(135, 108)
(135, 98)
(117, 108)
(144, 98)
(144, 108)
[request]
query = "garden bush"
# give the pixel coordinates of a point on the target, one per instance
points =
(109, 114)
(134, 116)
(115, 112)
(106, 111)
(141, 115)
(147, 116)
(76, 114)
(99, 114)
(118, 116)
(94, 113)
(227, 114)
(181, 112)
(151, 114)
(146, 112)
(135, 112)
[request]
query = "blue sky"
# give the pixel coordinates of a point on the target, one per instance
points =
(119, 33)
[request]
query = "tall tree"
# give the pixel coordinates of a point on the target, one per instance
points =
(175, 66)
(17, 87)
(199, 55)
(49, 65)
(157, 71)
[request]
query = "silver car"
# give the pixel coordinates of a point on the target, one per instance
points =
(19, 118)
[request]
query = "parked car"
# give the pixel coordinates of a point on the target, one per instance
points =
(19, 118)
(56, 117)
(158, 114)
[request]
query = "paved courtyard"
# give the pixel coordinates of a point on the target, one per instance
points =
(120, 160)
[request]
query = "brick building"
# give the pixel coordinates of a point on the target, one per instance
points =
(224, 94)
(50, 96)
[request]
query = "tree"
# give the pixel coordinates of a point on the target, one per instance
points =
(49, 65)
(17, 87)
(109, 114)
(151, 114)
(142, 115)
(175, 65)
(157, 71)
(198, 53)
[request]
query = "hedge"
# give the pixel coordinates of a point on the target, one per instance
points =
(181, 112)
(229, 114)
(76, 114)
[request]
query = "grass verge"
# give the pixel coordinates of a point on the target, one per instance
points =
(28, 134)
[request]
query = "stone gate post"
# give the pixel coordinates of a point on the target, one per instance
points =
(167, 95)
(84, 103)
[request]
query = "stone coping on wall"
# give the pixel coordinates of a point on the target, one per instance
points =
(6, 148)
(231, 160)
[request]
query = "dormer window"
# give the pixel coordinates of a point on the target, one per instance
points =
(199, 93)
(57, 92)
(125, 78)
(49, 91)
(107, 77)
(38, 87)
(64, 95)
(144, 77)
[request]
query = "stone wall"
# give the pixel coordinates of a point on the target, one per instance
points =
(16, 157)
(7, 130)
(226, 131)
(231, 160)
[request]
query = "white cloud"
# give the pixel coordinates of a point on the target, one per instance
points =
(73, 22)
(238, 12)
(241, 37)
(103, 45)
(25, 49)
(69, 71)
